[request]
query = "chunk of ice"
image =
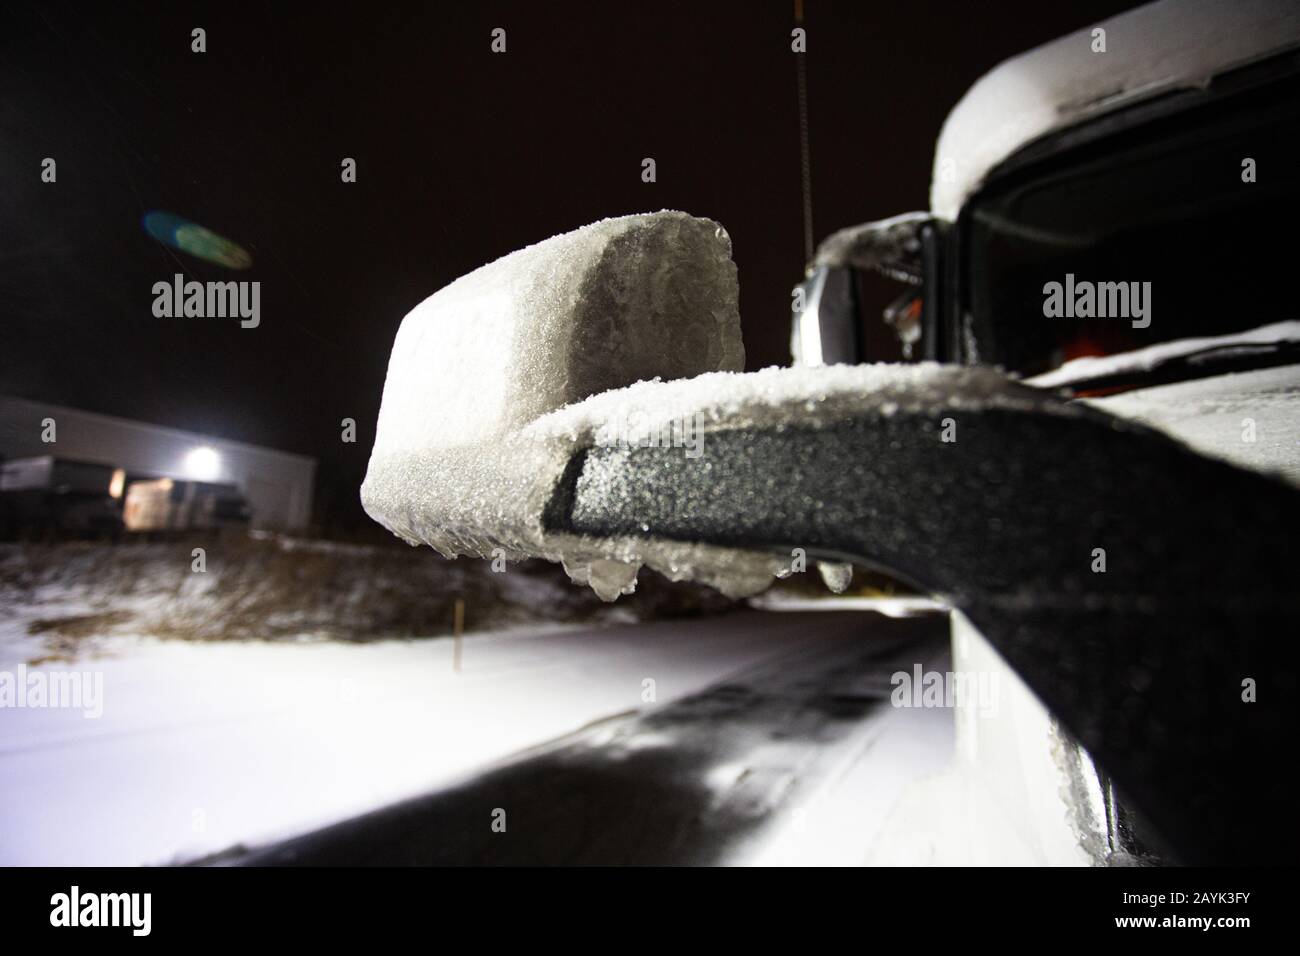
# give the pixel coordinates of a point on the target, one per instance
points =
(591, 310)
(837, 577)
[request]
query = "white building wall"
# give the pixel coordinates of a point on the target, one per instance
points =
(278, 484)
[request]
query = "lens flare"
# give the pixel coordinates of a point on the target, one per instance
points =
(171, 230)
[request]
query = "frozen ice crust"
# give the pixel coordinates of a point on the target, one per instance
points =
(625, 299)
(497, 380)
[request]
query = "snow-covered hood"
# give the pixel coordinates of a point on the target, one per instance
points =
(1251, 419)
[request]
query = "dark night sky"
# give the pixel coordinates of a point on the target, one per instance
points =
(462, 156)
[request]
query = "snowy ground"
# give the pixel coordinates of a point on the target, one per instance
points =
(205, 746)
(797, 758)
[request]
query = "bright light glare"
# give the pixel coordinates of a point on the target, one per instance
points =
(203, 463)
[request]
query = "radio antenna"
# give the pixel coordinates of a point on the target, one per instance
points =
(805, 162)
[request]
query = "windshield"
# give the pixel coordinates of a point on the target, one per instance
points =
(1164, 231)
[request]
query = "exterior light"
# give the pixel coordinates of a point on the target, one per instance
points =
(203, 464)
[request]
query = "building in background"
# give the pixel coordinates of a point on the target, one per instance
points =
(277, 484)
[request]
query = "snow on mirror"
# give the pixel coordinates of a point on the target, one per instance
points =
(624, 328)
(610, 304)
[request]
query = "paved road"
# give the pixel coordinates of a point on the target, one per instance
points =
(695, 781)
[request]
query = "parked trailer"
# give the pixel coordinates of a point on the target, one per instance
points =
(45, 495)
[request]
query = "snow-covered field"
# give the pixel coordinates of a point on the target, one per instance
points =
(205, 746)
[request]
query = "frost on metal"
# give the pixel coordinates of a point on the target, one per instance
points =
(891, 247)
(774, 398)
